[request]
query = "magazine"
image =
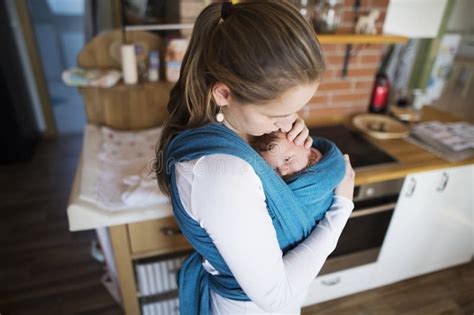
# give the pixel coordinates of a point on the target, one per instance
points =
(451, 141)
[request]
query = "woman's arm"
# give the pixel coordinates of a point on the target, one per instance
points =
(228, 200)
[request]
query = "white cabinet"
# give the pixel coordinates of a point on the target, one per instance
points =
(432, 226)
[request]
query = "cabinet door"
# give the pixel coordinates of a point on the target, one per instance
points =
(431, 227)
(451, 224)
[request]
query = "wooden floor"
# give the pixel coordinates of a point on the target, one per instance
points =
(450, 291)
(45, 269)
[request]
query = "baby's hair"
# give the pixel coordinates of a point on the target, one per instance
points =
(266, 142)
(259, 51)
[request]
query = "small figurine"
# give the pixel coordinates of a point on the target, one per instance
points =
(366, 24)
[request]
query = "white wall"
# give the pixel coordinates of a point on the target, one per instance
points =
(414, 18)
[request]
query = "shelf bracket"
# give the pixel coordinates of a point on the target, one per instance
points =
(347, 56)
(345, 63)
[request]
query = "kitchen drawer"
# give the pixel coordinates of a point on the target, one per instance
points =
(338, 284)
(156, 237)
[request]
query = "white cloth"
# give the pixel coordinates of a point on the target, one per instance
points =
(225, 195)
(117, 168)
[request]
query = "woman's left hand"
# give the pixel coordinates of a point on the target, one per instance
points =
(299, 134)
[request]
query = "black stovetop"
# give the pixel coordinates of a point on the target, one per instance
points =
(362, 153)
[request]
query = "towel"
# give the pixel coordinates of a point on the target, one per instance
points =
(117, 172)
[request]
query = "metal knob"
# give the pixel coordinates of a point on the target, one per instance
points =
(169, 231)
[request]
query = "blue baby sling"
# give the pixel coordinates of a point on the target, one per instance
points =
(295, 207)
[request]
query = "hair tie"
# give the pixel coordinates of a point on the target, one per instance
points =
(226, 9)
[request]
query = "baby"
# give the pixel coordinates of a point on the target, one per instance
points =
(283, 155)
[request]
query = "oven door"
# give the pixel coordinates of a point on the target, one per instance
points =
(364, 233)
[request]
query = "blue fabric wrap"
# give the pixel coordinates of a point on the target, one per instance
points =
(295, 206)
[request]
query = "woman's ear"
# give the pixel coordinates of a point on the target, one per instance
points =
(221, 93)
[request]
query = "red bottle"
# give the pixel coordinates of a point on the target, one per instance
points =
(380, 94)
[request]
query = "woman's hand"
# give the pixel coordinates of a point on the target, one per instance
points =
(346, 186)
(299, 134)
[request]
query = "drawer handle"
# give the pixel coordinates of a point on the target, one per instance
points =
(411, 190)
(331, 282)
(373, 210)
(444, 182)
(168, 231)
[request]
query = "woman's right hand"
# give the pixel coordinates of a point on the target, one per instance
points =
(346, 186)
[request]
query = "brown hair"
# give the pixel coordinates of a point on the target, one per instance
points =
(261, 50)
(265, 142)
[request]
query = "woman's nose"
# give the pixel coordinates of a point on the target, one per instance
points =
(285, 125)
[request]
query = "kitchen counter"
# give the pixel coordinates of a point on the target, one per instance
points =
(137, 234)
(413, 159)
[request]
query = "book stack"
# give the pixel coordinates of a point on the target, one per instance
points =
(156, 282)
(166, 307)
(452, 142)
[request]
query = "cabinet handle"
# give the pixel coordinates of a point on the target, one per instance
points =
(168, 231)
(443, 183)
(373, 210)
(411, 190)
(332, 281)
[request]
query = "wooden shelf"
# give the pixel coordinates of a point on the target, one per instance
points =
(361, 39)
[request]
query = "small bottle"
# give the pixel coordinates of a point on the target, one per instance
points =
(129, 64)
(153, 66)
(380, 94)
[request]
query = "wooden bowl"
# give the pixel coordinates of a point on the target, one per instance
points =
(380, 126)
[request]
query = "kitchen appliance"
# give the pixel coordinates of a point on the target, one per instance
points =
(363, 154)
(364, 233)
(381, 91)
(380, 94)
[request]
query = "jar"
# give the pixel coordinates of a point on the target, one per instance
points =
(327, 15)
(306, 8)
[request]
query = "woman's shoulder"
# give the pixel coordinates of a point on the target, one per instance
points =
(218, 164)
(224, 173)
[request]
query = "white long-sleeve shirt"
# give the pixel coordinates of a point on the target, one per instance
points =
(225, 195)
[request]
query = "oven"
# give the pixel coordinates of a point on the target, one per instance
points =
(364, 233)
(362, 238)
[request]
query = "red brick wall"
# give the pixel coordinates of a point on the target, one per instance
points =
(349, 95)
(335, 94)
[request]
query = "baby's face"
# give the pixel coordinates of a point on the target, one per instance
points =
(286, 157)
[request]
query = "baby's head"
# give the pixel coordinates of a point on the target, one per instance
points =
(284, 156)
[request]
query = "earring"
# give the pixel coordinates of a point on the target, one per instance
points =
(220, 115)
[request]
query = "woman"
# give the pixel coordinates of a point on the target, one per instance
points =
(250, 67)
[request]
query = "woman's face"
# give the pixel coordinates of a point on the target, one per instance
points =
(255, 120)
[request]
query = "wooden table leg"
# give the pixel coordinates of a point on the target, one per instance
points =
(124, 264)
